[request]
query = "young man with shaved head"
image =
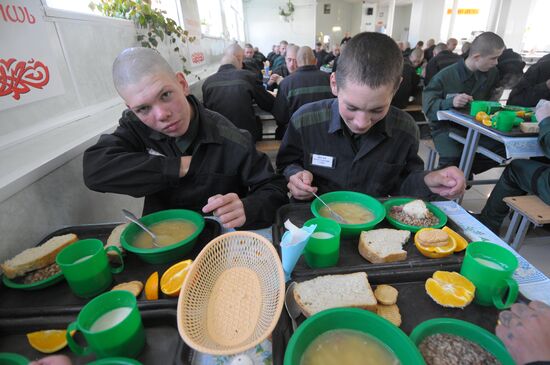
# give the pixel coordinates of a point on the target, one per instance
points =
(177, 154)
(358, 141)
(304, 86)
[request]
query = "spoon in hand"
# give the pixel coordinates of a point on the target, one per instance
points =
(131, 217)
(334, 215)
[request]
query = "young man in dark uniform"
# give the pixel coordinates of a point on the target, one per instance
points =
(177, 154)
(358, 141)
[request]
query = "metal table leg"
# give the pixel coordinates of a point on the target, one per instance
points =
(512, 227)
(520, 235)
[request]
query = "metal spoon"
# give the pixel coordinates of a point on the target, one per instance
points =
(131, 217)
(291, 306)
(334, 215)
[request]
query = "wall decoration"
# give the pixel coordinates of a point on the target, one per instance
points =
(326, 9)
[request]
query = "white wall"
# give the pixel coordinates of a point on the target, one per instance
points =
(426, 18)
(514, 15)
(401, 22)
(340, 15)
(264, 27)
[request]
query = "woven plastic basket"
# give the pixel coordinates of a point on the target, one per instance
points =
(233, 295)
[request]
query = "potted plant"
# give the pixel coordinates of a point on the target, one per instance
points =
(287, 14)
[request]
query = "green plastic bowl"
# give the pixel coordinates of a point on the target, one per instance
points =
(388, 204)
(464, 329)
(10, 358)
(354, 319)
(115, 361)
(166, 254)
(352, 230)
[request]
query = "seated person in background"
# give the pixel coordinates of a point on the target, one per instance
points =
(451, 44)
(525, 331)
(280, 59)
(177, 154)
(232, 92)
(259, 56)
(250, 63)
(429, 51)
(358, 141)
(441, 59)
(410, 84)
(273, 54)
(320, 54)
(533, 86)
(455, 87)
(521, 177)
(406, 49)
(420, 44)
(465, 49)
(278, 74)
(346, 38)
(510, 70)
(304, 86)
(331, 56)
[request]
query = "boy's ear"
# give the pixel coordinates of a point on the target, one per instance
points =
(183, 82)
(333, 86)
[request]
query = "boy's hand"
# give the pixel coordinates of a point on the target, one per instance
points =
(448, 182)
(461, 100)
(299, 185)
(228, 208)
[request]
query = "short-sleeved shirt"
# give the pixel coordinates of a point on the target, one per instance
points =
(386, 160)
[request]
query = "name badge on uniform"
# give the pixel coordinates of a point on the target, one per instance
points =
(323, 161)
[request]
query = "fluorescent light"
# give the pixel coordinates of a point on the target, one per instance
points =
(337, 29)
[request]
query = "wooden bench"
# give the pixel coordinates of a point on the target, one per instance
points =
(270, 147)
(432, 153)
(531, 210)
(416, 108)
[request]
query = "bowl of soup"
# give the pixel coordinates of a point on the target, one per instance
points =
(349, 336)
(176, 230)
(361, 212)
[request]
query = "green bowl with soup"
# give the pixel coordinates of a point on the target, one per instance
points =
(350, 335)
(361, 212)
(177, 231)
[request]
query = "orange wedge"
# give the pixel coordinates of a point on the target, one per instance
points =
(450, 289)
(461, 243)
(173, 278)
(48, 341)
(481, 115)
(434, 252)
(152, 286)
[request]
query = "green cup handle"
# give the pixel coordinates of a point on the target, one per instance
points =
(76, 348)
(116, 270)
(512, 295)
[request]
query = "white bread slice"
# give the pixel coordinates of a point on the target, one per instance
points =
(37, 257)
(383, 245)
(334, 291)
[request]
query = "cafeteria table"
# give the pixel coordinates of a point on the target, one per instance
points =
(516, 146)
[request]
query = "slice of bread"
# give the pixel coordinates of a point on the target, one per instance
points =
(334, 291)
(114, 239)
(37, 257)
(383, 245)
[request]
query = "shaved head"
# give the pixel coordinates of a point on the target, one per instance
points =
(231, 60)
(133, 64)
(305, 56)
(234, 50)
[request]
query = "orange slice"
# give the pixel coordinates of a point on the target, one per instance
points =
(152, 286)
(460, 241)
(48, 341)
(487, 122)
(434, 252)
(173, 278)
(450, 289)
(481, 115)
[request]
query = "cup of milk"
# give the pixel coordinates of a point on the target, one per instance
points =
(490, 268)
(111, 326)
(323, 247)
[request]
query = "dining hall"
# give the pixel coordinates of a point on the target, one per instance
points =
(284, 182)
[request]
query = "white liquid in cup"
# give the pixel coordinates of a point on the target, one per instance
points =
(489, 263)
(82, 259)
(322, 235)
(110, 319)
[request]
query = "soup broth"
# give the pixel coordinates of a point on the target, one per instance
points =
(347, 347)
(353, 213)
(168, 233)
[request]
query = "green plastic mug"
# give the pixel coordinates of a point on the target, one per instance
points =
(505, 121)
(323, 247)
(490, 268)
(111, 325)
(478, 106)
(86, 267)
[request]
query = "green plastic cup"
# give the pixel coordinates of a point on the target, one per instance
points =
(490, 268)
(323, 246)
(479, 106)
(505, 121)
(10, 358)
(111, 325)
(356, 319)
(86, 267)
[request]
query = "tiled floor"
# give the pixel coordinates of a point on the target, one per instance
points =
(536, 247)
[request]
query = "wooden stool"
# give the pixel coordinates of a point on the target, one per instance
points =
(270, 147)
(531, 210)
(412, 109)
(432, 153)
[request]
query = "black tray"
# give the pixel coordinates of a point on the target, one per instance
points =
(414, 305)
(163, 342)
(59, 298)
(351, 261)
(515, 132)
